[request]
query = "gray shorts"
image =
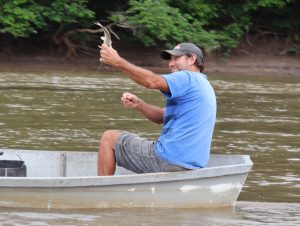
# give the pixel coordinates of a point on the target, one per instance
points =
(137, 154)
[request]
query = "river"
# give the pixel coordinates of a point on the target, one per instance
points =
(257, 115)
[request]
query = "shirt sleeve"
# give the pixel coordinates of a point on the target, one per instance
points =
(178, 82)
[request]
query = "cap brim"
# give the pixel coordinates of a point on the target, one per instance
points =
(166, 54)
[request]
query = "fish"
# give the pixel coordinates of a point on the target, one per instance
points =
(106, 38)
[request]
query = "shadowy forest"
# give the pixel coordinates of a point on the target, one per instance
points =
(66, 27)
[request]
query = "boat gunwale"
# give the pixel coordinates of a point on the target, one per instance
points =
(129, 179)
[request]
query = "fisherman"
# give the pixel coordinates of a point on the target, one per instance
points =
(188, 117)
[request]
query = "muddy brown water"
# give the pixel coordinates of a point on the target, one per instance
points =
(257, 115)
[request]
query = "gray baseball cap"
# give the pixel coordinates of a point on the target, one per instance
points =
(183, 49)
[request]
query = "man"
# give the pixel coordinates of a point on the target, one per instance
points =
(188, 118)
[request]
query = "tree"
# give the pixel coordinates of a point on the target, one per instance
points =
(24, 18)
(155, 21)
(212, 24)
(21, 18)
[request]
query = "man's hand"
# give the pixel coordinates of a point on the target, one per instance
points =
(108, 55)
(153, 113)
(130, 100)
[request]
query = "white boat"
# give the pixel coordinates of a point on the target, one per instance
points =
(68, 180)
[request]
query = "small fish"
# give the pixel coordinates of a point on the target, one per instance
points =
(106, 38)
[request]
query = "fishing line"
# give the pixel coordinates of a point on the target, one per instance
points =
(107, 41)
(99, 68)
(131, 118)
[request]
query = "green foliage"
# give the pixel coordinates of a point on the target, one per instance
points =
(155, 20)
(212, 24)
(209, 23)
(21, 18)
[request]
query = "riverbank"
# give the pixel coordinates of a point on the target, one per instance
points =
(255, 64)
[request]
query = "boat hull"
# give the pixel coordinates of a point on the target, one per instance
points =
(208, 187)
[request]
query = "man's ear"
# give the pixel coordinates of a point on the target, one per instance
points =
(192, 59)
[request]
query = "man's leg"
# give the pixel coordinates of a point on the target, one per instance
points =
(106, 154)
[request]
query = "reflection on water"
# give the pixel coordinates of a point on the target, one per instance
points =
(245, 213)
(258, 116)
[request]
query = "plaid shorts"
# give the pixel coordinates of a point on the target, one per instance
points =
(138, 155)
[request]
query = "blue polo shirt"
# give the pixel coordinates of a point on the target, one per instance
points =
(189, 120)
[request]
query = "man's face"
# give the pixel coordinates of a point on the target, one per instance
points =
(178, 63)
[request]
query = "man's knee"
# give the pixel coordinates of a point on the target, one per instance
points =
(110, 137)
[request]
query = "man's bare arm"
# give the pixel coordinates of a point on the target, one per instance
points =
(140, 75)
(151, 112)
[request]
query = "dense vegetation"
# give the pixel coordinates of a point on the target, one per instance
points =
(215, 25)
